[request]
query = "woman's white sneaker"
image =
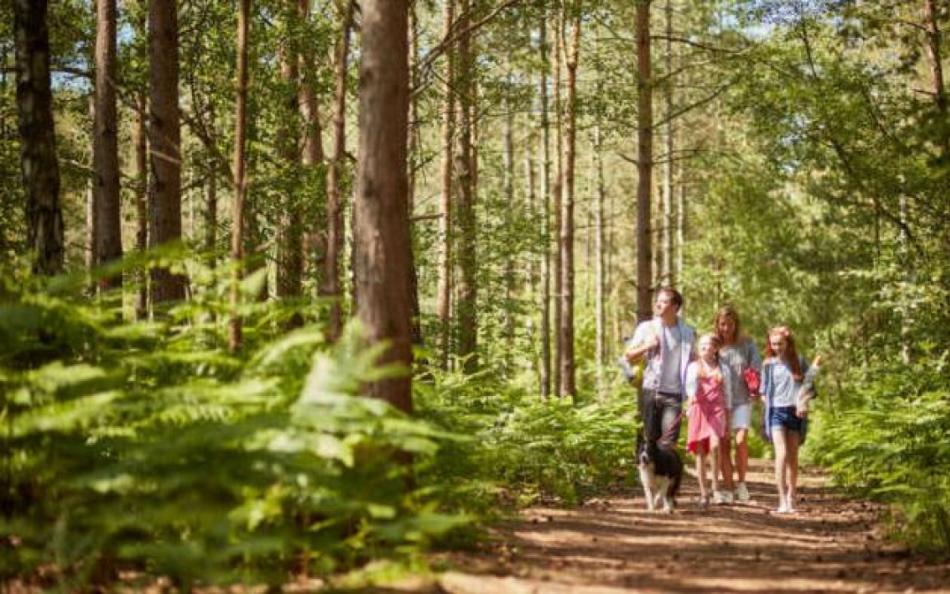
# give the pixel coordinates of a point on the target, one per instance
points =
(742, 493)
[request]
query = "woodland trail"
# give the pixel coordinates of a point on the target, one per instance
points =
(613, 545)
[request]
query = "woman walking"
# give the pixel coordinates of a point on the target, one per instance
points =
(739, 354)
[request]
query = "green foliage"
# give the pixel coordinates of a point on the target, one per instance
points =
(890, 442)
(138, 445)
(523, 446)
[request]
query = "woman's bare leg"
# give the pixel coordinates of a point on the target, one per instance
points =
(742, 453)
(725, 465)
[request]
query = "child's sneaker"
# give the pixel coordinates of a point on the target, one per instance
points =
(783, 507)
(742, 493)
(703, 502)
(722, 497)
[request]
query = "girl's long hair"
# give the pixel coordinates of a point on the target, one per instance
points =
(791, 353)
(727, 311)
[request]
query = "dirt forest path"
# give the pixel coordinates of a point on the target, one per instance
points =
(614, 545)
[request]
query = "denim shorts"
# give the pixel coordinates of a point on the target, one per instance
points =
(784, 417)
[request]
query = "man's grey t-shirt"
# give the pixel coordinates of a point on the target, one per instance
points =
(670, 381)
(673, 363)
(738, 357)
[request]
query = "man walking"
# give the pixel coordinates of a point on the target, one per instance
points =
(667, 344)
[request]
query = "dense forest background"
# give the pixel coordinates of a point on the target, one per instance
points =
(203, 213)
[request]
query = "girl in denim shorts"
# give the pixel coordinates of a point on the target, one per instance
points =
(785, 420)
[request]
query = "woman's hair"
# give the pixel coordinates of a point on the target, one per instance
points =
(791, 354)
(726, 311)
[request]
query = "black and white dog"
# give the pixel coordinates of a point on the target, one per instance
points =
(661, 472)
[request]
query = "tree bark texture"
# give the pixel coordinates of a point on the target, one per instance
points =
(644, 162)
(558, 195)
(465, 176)
(566, 359)
(331, 285)
(412, 164)
(667, 277)
(140, 139)
(106, 144)
(545, 326)
(164, 143)
(240, 187)
(312, 153)
(381, 225)
(444, 290)
(38, 162)
(290, 227)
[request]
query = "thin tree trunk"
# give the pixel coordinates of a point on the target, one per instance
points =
(240, 188)
(558, 190)
(331, 275)
(668, 277)
(445, 289)
(599, 279)
(211, 215)
(936, 68)
(414, 126)
(644, 162)
(106, 143)
(164, 143)
(465, 168)
(290, 230)
(566, 361)
(545, 326)
(140, 140)
(39, 166)
(312, 153)
(680, 221)
(381, 224)
(508, 184)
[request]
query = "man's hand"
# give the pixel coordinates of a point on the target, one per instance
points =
(635, 353)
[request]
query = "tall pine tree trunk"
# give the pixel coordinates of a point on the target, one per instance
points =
(164, 143)
(545, 326)
(668, 277)
(566, 359)
(381, 224)
(312, 153)
(508, 157)
(240, 187)
(935, 58)
(39, 166)
(106, 143)
(558, 195)
(644, 162)
(290, 230)
(140, 139)
(444, 290)
(465, 169)
(599, 272)
(413, 163)
(331, 286)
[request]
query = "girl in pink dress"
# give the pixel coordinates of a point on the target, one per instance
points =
(706, 410)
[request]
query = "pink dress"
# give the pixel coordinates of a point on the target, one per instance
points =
(707, 415)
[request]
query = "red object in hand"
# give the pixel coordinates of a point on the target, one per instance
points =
(752, 380)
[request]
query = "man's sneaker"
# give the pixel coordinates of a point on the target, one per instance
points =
(742, 493)
(722, 497)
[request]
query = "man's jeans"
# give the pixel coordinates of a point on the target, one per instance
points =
(662, 415)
